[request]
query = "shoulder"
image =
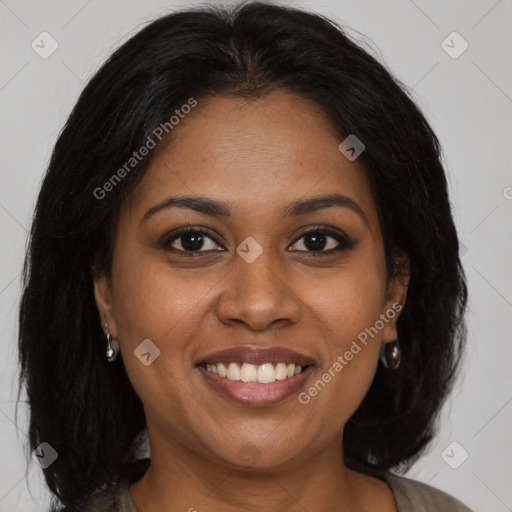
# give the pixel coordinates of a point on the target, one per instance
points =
(115, 497)
(412, 495)
(106, 500)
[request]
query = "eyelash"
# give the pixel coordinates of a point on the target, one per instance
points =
(344, 242)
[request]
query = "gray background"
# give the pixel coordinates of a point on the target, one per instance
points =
(468, 101)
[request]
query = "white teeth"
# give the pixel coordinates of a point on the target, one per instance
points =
(223, 371)
(248, 373)
(265, 373)
(233, 372)
(281, 372)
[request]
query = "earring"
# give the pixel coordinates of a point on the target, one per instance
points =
(112, 346)
(390, 354)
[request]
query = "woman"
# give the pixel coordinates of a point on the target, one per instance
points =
(243, 247)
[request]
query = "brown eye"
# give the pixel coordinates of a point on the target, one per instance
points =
(191, 240)
(322, 240)
(317, 241)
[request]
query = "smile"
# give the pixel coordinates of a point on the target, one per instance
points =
(255, 385)
(265, 373)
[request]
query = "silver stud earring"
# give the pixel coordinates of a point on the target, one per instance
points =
(112, 346)
(390, 354)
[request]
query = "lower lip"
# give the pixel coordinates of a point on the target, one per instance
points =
(254, 393)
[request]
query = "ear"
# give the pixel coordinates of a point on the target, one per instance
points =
(103, 299)
(396, 296)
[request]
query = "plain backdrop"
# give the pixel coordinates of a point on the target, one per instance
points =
(466, 94)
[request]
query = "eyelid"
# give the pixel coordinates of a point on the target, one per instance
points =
(168, 238)
(324, 228)
(345, 243)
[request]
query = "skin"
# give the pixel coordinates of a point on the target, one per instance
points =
(258, 155)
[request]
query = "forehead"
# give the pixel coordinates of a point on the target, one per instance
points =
(256, 154)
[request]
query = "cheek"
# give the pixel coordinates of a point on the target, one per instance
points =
(151, 303)
(348, 309)
(155, 301)
(349, 302)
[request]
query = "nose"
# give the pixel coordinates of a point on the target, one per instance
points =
(258, 295)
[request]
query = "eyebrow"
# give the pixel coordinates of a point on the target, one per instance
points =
(216, 208)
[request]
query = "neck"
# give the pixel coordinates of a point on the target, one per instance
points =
(179, 478)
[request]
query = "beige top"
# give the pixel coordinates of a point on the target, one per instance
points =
(410, 496)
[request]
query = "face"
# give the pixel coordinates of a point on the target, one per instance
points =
(256, 275)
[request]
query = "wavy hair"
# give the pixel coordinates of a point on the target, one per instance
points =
(85, 407)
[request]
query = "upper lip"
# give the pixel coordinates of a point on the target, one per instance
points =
(256, 356)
